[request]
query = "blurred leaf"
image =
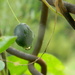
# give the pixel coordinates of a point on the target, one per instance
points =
(15, 66)
(55, 67)
(6, 41)
(2, 65)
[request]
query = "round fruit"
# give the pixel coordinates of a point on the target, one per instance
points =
(24, 35)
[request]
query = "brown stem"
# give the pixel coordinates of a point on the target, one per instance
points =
(62, 9)
(41, 34)
(34, 71)
(28, 57)
(42, 29)
(70, 7)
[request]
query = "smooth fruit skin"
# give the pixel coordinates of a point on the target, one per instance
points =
(24, 35)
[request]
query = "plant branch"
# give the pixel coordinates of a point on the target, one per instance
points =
(33, 70)
(41, 30)
(70, 7)
(61, 7)
(41, 34)
(28, 57)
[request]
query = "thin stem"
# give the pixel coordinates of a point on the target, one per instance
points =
(48, 5)
(13, 12)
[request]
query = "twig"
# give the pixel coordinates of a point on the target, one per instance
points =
(41, 34)
(62, 9)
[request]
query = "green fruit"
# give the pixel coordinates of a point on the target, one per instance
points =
(24, 35)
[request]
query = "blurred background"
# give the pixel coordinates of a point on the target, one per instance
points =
(29, 11)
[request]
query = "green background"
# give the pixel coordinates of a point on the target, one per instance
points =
(29, 11)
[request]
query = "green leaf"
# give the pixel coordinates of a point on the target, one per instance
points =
(6, 41)
(15, 67)
(54, 65)
(2, 65)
